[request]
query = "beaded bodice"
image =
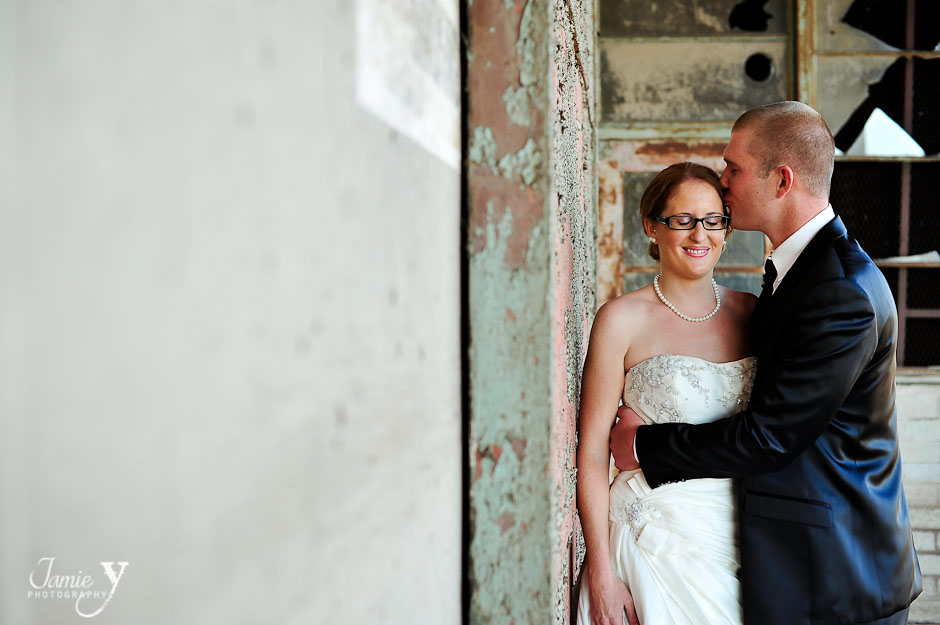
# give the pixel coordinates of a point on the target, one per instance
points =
(679, 389)
(686, 389)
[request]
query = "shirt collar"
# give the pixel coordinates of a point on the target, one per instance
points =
(785, 254)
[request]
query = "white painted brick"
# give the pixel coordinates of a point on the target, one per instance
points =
(925, 611)
(918, 400)
(925, 518)
(925, 542)
(930, 588)
(919, 434)
(919, 439)
(920, 471)
(921, 495)
(929, 564)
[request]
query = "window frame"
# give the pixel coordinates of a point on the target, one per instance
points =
(806, 71)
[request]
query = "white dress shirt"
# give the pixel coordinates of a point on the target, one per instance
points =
(785, 254)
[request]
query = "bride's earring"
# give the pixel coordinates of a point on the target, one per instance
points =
(652, 240)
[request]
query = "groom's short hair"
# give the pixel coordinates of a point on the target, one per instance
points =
(793, 134)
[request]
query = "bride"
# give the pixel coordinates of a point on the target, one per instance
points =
(675, 350)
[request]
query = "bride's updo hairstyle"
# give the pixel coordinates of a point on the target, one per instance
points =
(657, 192)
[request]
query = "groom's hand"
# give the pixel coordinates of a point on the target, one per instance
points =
(622, 437)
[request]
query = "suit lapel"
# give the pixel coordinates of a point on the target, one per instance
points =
(768, 314)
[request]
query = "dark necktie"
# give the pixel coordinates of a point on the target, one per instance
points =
(770, 274)
(760, 310)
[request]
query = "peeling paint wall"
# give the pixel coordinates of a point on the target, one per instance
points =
(574, 268)
(531, 192)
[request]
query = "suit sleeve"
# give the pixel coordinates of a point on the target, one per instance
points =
(821, 351)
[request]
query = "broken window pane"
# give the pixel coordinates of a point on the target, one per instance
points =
(872, 25)
(832, 34)
(881, 136)
(888, 21)
(843, 84)
(843, 79)
(875, 84)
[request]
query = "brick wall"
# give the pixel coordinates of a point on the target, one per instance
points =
(919, 427)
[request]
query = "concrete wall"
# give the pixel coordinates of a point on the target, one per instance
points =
(919, 428)
(532, 236)
(229, 321)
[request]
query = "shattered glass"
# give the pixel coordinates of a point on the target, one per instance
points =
(865, 96)
(886, 20)
(877, 79)
(875, 25)
(843, 83)
(887, 94)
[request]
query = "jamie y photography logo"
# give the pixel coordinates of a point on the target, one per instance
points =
(49, 584)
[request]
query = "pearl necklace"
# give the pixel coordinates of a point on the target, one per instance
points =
(671, 307)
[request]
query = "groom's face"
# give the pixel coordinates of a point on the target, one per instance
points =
(746, 194)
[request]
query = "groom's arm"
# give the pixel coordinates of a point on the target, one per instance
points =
(821, 353)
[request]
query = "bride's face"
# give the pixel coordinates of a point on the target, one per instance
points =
(692, 253)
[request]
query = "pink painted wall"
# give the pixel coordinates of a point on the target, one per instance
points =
(531, 294)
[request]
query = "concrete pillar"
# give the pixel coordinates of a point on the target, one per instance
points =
(229, 314)
(531, 186)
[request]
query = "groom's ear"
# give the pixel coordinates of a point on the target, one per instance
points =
(784, 180)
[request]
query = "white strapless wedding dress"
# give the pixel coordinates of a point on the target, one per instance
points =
(675, 546)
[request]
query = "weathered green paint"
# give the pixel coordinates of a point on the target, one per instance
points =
(483, 148)
(532, 240)
(510, 429)
(509, 352)
(517, 105)
(525, 163)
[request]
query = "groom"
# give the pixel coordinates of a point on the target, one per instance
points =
(824, 529)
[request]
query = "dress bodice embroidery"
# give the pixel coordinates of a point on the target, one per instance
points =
(671, 388)
(685, 389)
(635, 514)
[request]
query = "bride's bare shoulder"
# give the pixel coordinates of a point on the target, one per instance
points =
(622, 314)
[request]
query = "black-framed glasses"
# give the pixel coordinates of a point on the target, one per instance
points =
(688, 222)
